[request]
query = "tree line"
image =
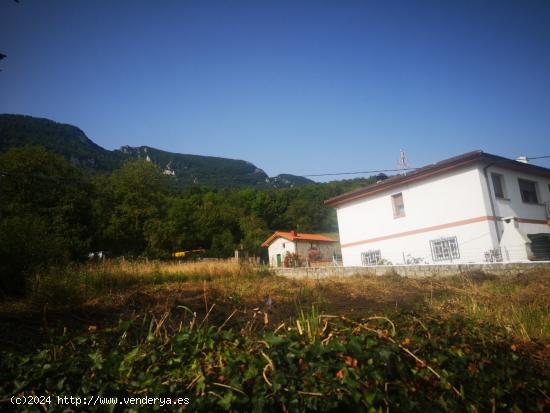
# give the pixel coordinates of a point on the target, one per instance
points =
(52, 213)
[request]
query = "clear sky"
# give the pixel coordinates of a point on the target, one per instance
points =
(292, 86)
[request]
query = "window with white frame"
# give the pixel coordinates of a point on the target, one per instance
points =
(528, 190)
(398, 205)
(498, 185)
(444, 249)
(371, 257)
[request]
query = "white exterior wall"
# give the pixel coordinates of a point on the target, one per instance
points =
(513, 205)
(458, 203)
(512, 246)
(443, 200)
(473, 240)
(280, 246)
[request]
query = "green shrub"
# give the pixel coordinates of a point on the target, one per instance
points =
(406, 364)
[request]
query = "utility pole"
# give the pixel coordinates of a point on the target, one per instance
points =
(403, 163)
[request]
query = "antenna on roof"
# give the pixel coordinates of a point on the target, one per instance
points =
(403, 163)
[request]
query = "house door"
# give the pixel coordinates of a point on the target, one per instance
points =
(279, 260)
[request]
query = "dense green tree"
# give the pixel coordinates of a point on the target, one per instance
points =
(45, 215)
(182, 215)
(223, 244)
(271, 206)
(51, 214)
(254, 232)
(160, 238)
(130, 197)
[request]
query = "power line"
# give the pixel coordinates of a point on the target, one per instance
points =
(359, 172)
(210, 177)
(393, 170)
(219, 177)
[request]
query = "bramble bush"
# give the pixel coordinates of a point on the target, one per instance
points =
(410, 363)
(292, 260)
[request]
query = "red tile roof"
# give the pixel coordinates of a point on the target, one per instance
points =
(296, 236)
(435, 169)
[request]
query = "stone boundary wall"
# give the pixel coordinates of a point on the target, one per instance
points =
(425, 270)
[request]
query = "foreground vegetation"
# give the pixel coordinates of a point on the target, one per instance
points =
(232, 338)
(412, 362)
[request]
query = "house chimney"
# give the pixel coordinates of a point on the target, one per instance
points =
(522, 159)
(294, 233)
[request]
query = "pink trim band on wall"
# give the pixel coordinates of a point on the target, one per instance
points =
(441, 226)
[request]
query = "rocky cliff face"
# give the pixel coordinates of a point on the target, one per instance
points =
(207, 170)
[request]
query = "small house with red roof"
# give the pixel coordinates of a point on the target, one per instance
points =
(294, 246)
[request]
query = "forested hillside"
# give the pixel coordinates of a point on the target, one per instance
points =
(66, 140)
(71, 143)
(53, 213)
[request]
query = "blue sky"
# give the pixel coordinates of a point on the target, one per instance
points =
(294, 87)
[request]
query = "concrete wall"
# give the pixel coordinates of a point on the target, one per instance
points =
(415, 270)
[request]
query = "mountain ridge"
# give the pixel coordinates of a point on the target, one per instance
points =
(74, 145)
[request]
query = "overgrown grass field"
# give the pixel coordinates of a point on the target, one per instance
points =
(236, 338)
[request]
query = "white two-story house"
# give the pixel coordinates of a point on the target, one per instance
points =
(472, 208)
